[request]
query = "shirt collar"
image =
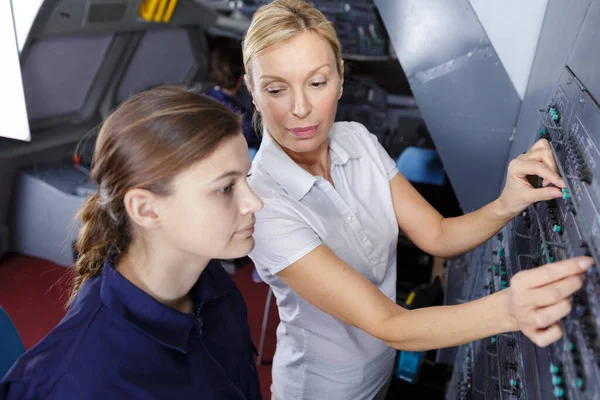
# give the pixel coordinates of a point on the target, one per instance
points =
(342, 150)
(165, 325)
(294, 179)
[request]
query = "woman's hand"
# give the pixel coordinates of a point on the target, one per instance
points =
(540, 297)
(518, 193)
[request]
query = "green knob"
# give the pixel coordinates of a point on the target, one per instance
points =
(569, 345)
(556, 380)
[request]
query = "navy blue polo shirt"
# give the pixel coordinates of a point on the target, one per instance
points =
(117, 342)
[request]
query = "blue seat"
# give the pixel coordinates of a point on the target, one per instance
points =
(11, 346)
(421, 165)
(252, 152)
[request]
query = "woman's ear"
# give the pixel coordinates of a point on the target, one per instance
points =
(141, 206)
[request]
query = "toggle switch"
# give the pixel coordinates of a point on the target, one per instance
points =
(559, 392)
(556, 380)
(569, 346)
(556, 228)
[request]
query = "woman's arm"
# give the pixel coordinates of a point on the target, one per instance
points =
(449, 237)
(536, 299)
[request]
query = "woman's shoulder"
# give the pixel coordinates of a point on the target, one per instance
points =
(354, 137)
(51, 361)
(268, 187)
(349, 129)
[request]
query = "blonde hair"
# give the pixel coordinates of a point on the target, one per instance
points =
(281, 20)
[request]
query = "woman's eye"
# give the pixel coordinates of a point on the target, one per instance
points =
(274, 91)
(226, 189)
(319, 84)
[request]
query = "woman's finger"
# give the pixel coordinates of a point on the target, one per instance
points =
(549, 273)
(542, 194)
(556, 291)
(540, 144)
(544, 156)
(545, 337)
(523, 168)
(548, 316)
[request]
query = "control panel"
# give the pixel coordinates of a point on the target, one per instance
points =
(510, 366)
(357, 23)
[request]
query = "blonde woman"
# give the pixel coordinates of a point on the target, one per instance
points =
(333, 205)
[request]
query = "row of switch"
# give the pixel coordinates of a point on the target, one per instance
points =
(576, 357)
(465, 386)
(554, 216)
(589, 329)
(554, 114)
(499, 269)
(548, 252)
(575, 153)
(557, 380)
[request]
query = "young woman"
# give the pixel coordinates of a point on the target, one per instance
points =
(152, 316)
(334, 202)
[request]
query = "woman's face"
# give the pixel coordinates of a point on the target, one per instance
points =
(295, 87)
(210, 212)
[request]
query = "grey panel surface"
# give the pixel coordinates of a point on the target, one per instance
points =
(562, 23)
(80, 16)
(584, 60)
(59, 66)
(163, 57)
(464, 93)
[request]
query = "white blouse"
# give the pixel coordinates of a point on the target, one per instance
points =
(318, 356)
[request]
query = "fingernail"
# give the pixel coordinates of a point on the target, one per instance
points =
(586, 263)
(562, 183)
